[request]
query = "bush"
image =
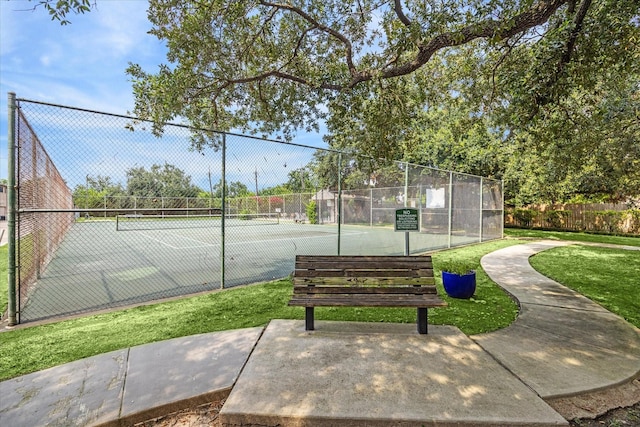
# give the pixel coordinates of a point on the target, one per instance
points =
(312, 212)
(555, 218)
(525, 216)
(633, 216)
(607, 221)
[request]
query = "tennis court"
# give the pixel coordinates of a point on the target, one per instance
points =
(98, 267)
(95, 208)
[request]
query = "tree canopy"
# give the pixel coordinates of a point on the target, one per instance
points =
(542, 93)
(160, 181)
(275, 66)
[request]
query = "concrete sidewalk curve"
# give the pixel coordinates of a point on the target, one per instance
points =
(561, 344)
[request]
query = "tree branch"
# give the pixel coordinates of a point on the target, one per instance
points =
(279, 74)
(490, 28)
(509, 48)
(504, 28)
(321, 27)
(255, 36)
(397, 7)
(578, 19)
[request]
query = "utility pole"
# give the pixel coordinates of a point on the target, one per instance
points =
(257, 198)
(210, 192)
(256, 175)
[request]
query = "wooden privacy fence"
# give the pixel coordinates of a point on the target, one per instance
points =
(597, 217)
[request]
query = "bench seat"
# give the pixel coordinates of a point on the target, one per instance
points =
(365, 281)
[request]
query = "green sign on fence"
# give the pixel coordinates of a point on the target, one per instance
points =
(407, 220)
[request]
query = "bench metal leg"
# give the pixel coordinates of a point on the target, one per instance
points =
(422, 320)
(308, 318)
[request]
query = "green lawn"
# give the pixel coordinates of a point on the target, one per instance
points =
(568, 235)
(29, 349)
(4, 267)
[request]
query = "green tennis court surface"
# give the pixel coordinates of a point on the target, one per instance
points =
(98, 267)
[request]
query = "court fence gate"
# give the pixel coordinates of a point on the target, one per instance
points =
(103, 213)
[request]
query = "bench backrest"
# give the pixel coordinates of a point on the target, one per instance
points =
(365, 271)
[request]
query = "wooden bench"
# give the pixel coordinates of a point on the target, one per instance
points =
(365, 281)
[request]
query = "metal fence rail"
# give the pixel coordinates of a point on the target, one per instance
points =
(107, 215)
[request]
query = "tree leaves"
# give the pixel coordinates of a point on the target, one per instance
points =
(541, 92)
(274, 66)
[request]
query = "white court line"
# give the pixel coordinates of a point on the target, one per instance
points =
(212, 245)
(202, 244)
(157, 240)
(301, 237)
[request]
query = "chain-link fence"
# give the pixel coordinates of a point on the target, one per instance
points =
(108, 215)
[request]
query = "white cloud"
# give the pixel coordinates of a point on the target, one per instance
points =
(83, 65)
(123, 26)
(85, 60)
(45, 60)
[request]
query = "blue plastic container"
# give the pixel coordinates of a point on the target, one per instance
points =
(457, 286)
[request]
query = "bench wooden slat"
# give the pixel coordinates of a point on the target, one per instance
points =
(365, 281)
(372, 258)
(359, 264)
(416, 290)
(368, 272)
(367, 301)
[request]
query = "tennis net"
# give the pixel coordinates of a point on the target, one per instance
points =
(167, 222)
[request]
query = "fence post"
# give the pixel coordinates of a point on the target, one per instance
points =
(450, 208)
(420, 206)
(370, 207)
(481, 209)
(407, 251)
(502, 210)
(339, 200)
(11, 206)
(37, 235)
(224, 204)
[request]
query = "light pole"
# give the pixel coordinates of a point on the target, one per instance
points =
(86, 196)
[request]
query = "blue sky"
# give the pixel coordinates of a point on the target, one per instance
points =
(82, 64)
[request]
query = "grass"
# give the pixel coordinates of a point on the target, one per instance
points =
(569, 235)
(35, 348)
(4, 267)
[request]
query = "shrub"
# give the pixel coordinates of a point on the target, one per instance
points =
(608, 221)
(312, 212)
(525, 216)
(556, 218)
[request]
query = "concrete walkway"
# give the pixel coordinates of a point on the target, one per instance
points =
(562, 343)
(352, 373)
